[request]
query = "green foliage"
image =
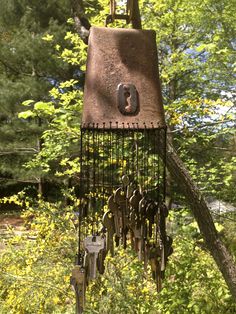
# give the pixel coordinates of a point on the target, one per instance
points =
(192, 283)
(195, 42)
(61, 138)
(28, 69)
(36, 267)
(196, 66)
(198, 107)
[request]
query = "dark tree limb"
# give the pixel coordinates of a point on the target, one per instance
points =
(82, 24)
(203, 217)
(136, 18)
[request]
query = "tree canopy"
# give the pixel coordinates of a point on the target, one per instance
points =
(42, 62)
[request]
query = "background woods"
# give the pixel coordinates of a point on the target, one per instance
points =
(42, 63)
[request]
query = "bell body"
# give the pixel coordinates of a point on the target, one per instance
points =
(122, 86)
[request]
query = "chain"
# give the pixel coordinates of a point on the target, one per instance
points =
(115, 16)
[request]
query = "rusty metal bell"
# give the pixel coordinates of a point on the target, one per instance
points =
(122, 86)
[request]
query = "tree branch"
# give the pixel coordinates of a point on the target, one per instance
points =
(82, 24)
(203, 217)
(136, 19)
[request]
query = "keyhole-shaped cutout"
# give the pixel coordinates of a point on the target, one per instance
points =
(128, 99)
(128, 107)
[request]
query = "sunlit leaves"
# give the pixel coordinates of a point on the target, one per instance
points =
(77, 54)
(48, 37)
(39, 264)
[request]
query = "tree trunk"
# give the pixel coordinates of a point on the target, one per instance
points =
(203, 217)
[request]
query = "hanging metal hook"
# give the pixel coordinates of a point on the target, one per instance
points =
(114, 16)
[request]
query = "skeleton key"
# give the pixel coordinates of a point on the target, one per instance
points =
(138, 242)
(100, 261)
(102, 254)
(142, 210)
(85, 260)
(135, 199)
(144, 230)
(125, 180)
(151, 211)
(111, 202)
(169, 249)
(130, 190)
(152, 262)
(86, 266)
(117, 240)
(122, 201)
(132, 219)
(154, 259)
(134, 215)
(158, 276)
(125, 229)
(118, 222)
(120, 197)
(114, 208)
(146, 254)
(164, 210)
(143, 240)
(93, 244)
(78, 281)
(163, 264)
(132, 239)
(108, 222)
(142, 206)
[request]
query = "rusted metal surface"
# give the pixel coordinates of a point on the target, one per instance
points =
(128, 57)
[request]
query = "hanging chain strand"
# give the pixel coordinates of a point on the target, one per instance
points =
(158, 166)
(103, 165)
(133, 152)
(94, 179)
(164, 164)
(117, 157)
(97, 183)
(81, 204)
(123, 151)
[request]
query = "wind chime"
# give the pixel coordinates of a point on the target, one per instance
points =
(122, 156)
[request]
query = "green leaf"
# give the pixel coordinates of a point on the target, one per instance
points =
(26, 114)
(48, 37)
(45, 107)
(27, 102)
